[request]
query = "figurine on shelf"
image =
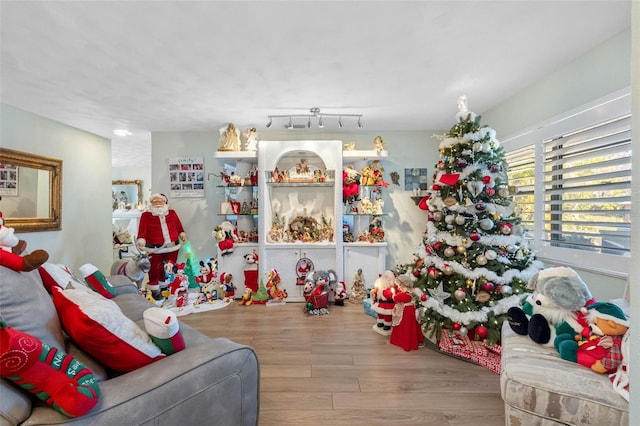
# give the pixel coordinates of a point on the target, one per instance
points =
(378, 144)
(229, 138)
(378, 174)
(358, 290)
(275, 175)
(254, 176)
(375, 230)
(252, 140)
(349, 146)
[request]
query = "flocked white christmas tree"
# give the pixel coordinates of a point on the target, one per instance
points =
(474, 261)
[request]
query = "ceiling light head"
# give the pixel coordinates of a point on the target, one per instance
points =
(340, 122)
(309, 122)
(360, 123)
(290, 126)
(321, 123)
(121, 132)
(270, 122)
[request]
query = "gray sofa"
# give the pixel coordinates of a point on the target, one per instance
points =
(213, 381)
(540, 389)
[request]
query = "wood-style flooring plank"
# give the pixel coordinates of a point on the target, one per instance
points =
(335, 370)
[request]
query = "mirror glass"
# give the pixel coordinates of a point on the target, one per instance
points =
(31, 188)
(126, 194)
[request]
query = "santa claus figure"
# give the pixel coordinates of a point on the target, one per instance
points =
(382, 296)
(340, 293)
(160, 233)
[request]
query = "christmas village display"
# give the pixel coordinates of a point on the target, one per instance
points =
(474, 262)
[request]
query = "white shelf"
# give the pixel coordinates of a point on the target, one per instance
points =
(236, 154)
(357, 154)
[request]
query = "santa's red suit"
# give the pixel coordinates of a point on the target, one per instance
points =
(161, 235)
(383, 304)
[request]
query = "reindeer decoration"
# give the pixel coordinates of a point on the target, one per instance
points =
(133, 268)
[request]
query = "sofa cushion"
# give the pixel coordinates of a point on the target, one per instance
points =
(26, 306)
(98, 326)
(535, 380)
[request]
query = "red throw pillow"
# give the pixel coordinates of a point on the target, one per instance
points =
(98, 326)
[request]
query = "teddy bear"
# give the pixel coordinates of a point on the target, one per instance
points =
(11, 249)
(599, 346)
(555, 306)
(251, 271)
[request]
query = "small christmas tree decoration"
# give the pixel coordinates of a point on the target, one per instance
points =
(473, 263)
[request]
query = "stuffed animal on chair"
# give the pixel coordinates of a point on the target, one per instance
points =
(556, 306)
(601, 349)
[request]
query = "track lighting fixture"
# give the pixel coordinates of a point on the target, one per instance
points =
(314, 113)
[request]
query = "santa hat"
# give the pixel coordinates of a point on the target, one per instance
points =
(164, 329)
(222, 277)
(159, 195)
(607, 311)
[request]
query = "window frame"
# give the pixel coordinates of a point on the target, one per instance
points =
(614, 105)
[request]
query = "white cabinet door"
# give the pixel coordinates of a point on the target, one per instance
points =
(368, 257)
(285, 261)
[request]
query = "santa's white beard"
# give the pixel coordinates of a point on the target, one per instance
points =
(160, 211)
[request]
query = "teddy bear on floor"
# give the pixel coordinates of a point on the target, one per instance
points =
(555, 306)
(601, 350)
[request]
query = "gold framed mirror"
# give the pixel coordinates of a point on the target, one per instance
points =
(126, 194)
(31, 189)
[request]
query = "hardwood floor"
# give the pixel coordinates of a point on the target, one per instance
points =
(335, 370)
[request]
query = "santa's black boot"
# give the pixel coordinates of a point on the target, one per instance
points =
(539, 330)
(518, 320)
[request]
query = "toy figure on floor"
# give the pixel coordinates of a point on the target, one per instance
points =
(406, 331)
(11, 249)
(382, 296)
(340, 293)
(358, 290)
(251, 271)
(160, 233)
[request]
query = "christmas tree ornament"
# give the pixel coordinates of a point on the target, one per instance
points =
(481, 206)
(506, 290)
(488, 286)
(481, 259)
(490, 191)
(461, 249)
(437, 216)
(432, 272)
(463, 331)
(460, 220)
(486, 224)
(447, 269)
(460, 294)
(449, 219)
(482, 332)
(449, 251)
(491, 255)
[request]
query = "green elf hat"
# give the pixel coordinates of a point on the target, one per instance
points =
(607, 311)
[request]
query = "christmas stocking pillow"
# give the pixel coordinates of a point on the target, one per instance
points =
(97, 281)
(164, 329)
(54, 376)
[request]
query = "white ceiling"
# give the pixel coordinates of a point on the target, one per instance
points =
(198, 65)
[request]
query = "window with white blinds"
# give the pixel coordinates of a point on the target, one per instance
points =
(572, 174)
(522, 178)
(587, 188)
